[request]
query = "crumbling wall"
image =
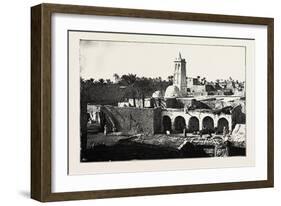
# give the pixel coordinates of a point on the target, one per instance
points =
(193, 103)
(238, 116)
(185, 101)
(157, 120)
(132, 120)
(173, 103)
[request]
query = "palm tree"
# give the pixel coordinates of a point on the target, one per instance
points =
(101, 81)
(171, 78)
(129, 81)
(108, 81)
(116, 77)
(144, 87)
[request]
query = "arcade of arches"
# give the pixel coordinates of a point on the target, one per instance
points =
(194, 124)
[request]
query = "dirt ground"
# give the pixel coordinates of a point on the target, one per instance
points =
(173, 140)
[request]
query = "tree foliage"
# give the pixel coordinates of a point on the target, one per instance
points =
(127, 85)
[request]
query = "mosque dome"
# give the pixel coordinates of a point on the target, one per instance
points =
(172, 92)
(157, 94)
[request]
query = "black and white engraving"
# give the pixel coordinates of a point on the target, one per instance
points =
(152, 100)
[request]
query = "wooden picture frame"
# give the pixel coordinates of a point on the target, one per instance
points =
(41, 97)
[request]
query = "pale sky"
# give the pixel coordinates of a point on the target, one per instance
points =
(101, 59)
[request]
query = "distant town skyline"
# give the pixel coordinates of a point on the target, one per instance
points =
(101, 59)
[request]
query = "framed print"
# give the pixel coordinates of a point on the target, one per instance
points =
(130, 102)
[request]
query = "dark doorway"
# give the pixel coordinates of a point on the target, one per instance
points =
(193, 124)
(167, 123)
(221, 124)
(179, 124)
(208, 123)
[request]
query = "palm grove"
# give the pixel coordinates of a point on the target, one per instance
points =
(104, 91)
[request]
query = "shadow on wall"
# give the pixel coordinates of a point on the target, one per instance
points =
(237, 116)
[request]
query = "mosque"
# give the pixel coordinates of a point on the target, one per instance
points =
(175, 109)
(179, 87)
(182, 110)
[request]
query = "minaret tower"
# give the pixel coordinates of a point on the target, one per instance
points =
(180, 74)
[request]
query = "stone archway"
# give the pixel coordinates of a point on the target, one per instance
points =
(193, 124)
(222, 123)
(179, 124)
(167, 123)
(208, 123)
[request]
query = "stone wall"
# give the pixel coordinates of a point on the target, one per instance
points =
(131, 120)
